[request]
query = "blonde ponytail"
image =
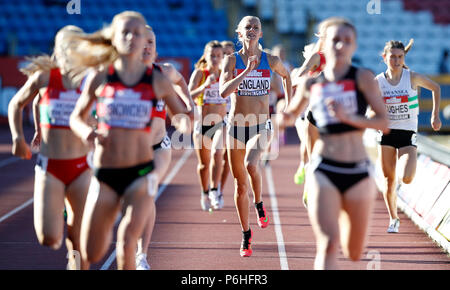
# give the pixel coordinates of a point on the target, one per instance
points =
(42, 63)
(46, 62)
(96, 49)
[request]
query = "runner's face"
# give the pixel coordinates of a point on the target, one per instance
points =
(129, 36)
(227, 50)
(63, 47)
(250, 29)
(150, 47)
(214, 56)
(340, 43)
(395, 59)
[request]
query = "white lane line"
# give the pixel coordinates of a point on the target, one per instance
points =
(276, 220)
(8, 161)
(173, 172)
(17, 209)
(4, 163)
(161, 189)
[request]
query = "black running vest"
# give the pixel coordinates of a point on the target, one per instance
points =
(345, 92)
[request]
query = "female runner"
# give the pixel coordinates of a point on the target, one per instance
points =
(126, 92)
(208, 133)
(62, 174)
(341, 191)
(398, 149)
(162, 143)
(246, 77)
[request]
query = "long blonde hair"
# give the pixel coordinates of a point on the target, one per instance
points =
(96, 49)
(202, 63)
(60, 56)
(331, 21)
(312, 48)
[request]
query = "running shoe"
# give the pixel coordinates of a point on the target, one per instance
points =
(299, 177)
(141, 262)
(204, 202)
(216, 199)
(393, 226)
(263, 218)
(246, 246)
(221, 201)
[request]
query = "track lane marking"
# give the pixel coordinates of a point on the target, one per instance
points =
(276, 217)
(17, 209)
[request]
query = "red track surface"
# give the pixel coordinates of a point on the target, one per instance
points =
(185, 238)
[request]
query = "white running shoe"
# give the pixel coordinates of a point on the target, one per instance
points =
(221, 201)
(393, 226)
(204, 202)
(216, 198)
(141, 262)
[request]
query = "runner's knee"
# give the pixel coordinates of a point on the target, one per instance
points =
(389, 176)
(242, 188)
(353, 254)
(201, 167)
(251, 168)
(407, 179)
(93, 256)
(330, 244)
(51, 241)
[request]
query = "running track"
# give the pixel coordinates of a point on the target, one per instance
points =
(185, 238)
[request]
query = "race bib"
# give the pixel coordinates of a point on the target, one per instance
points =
(125, 113)
(56, 111)
(397, 107)
(255, 84)
(343, 92)
(211, 95)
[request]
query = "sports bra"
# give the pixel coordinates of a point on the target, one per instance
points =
(57, 103)
(257, 82)
(129, 107)
(345, 92)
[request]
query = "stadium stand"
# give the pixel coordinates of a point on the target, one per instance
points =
(425, 21)
(182, 26)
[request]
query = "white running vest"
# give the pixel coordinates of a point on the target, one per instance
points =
(401, 101)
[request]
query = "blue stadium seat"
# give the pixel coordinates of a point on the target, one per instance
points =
(196, 22)
(3, 48)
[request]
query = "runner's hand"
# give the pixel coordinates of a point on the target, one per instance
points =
(21, 149)
(436, 122)
(251, 62)
(211, 79)
(336, 110)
